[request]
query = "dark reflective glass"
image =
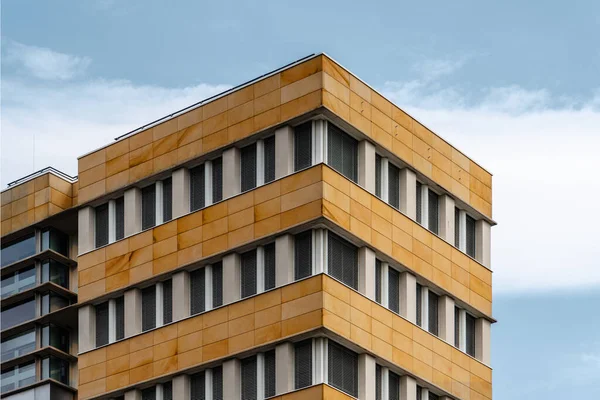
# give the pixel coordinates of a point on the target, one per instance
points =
(55, 336)
(18, 313)
(17, 250)
(19, 376)
(55, 240)
(53, 271)
(18, 281)
(55, 368)
(53, 302)
(18, 345)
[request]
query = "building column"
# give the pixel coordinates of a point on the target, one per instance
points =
(446, 319)
(134, 394)
(366, 272)
(483, 340)
(181, 387)
(86, 224)
(366, 375)
(483, 242)
(133, 211)
(284, 371)
(232, 178)
(408, 296)
(447, 206)
(366, 165)
(284, 150)
(232, 379)
(133, 312)
(284, 254)
(408, 388)
(87, 328)
(181, 192)
(408, 193)
(181, 295)
(231, 278)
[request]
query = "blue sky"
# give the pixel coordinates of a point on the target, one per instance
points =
(514, 84)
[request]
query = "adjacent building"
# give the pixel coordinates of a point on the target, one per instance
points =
(297, 236)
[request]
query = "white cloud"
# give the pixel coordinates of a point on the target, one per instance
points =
(44, 63)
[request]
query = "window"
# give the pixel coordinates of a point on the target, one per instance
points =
(55, 368)
(342, 152)
(197, 386)
(433, 313)
(167, 301)
(419, 305)
(102, 324)
(303, 364)
(197, 191)
(258, 270)
(18, 249)
(217, 284)
(120, 317)
(457, 329)
(52, 302)
(470, 236)
(433, 209)
(269, 144)
(248, 167)
(270, 266)
(378, 177)
(378, 394)
(257, 163)
(148, 207)
(206, 184)
(167, 199)
(56, 337)
(18, 313)
(167, 390)
(120, 218)
(105, 313)
(470, 334)
(248, 275)
(456, 227)
(303, 255)
(56, 241)
(217, 179)
(269, 373)
(102, 225)
(149, 393)
(342, 368)
(433, 396)
(249, 378)
(394, 186)
(197, 289)
(148, 308)
(16, 346)
(303, 146)
(394, 290)
(53, 271)
(18, 376)
(18, 281)
(419, 203)
(378, 281)
(343, 260)
(217, 381)
(393, 386)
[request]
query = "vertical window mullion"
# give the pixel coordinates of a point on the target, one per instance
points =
(208, 183)
(112, 219)
(260, 162)
(208, 287)
(159, 304)
(260, 269)
(112, 320)
(159, 202)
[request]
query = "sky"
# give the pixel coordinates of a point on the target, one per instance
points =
(513, 84)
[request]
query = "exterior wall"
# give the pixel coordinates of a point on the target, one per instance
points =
(272, 101)
(35, 200)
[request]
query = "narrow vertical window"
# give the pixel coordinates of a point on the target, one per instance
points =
(120, 317)
(343, 260)
(217, 284)
(433, 212)
(378, 281)
(433, 313)
(457, 327)
(394, 386)
(197, 286)
(303, 364)
(167, 301)
(217, 381)
(198, 386)
(148, 207)
(249, 378)
(168, 390)
(167, 199)
(378, 175)
(303, 255)
(148, 308)
(456, 227)
(197, 188)
(394, 290)
(269, 266)
(470, 236)
(149, 394)
(248, 273)
(303, 146)
(342, 368)
(378, 395)
(102, 225)
(342, 152)
(419, 203)
(394, 186)
(120, 218)
(269, 159)
(270, 373)
(470, 334)
(419, 305)
(248, 167)
(102, 324)
(217, 179)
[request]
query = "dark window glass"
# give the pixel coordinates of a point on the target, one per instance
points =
(419, 393)
(217, 272)
(343, 368)
(55, 240)
(270, 373)
(303, 255)
(342, 152)
(303, 364)
(197, 188)
(120, 317)
(377, 175)
(148, 308)
(269, 159)
(217, 173)
(53, 302)
(148, 207)
(18, 281)
(55, 368)
(419, 204)
(343, 260)
(149, 394)
(470, 334)
(18, 313)
(55, 337)
(433, 313)
(217, 378)
(18, 249)
(378, 281)
(470, 236)
(249, 378)
(197, 386)
(167, 199)
(433, 212)
(419, 305)
(120, 218)
(394, 386)
(102, 225)
(433, 396)
(394, 290)
(197, 286)
(168, 391)
(16, 346)
(248, 278)
(269, 266)
(18, 376)
(378, 382)
(303, 146)
(102, 324)
(456, 227)
(53, 271)
(456, 327)
(167, 301)
(394, 186)
(248, 167)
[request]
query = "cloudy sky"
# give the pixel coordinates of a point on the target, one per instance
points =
(514, 84)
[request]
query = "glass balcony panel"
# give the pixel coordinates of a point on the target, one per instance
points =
(18, 281)
(18, 345)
